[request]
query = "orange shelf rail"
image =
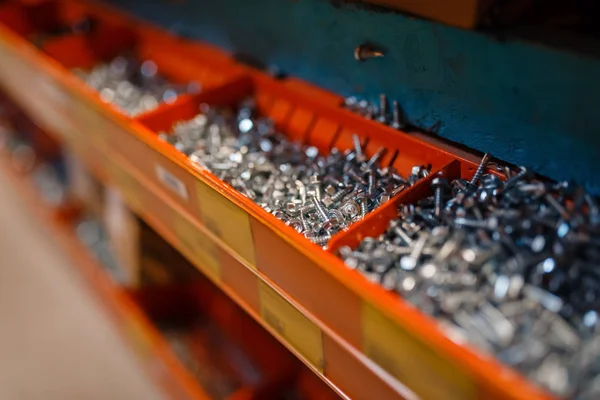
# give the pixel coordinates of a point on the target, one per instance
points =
(363, 341)
(194, 311)
(148, 346)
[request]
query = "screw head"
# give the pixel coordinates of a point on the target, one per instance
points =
(439, 182)
(384, 198)
(350, 208)
(329, 225)
(365, 51)
(408, 263)
(327, 201)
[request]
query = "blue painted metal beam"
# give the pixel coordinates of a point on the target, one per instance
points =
(526, 103)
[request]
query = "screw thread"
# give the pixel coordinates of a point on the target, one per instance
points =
(396, 124)
(357, 145)
(307, 208)
(352, 173)
(439, 198)
(472, 223)
(376, 156)
(320, 210)
(371, 183)
(363, 207)
(304, 221)
(480, 169)
(321, 240)
(340, 195)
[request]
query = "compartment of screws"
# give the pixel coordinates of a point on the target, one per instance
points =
(510, 266)
(319, 191)
(134, 86)
(128, 69)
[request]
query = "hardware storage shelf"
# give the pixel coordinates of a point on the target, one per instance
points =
(363, 341)
(144, 315)
(150, 348)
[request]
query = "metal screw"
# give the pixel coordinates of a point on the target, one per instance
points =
(410, 262)
(382, 109)
(396, 116)
(287, 179)
(503, 266)
(365, 51)
(439, 184)
(361, 197)
(375, 158)
(320, 210)
(516, 178)
(480, 169)
(357, 147)
(134, 87)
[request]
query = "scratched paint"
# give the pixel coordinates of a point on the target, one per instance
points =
(526, 103)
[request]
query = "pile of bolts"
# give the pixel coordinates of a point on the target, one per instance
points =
(509, 265)
(318, 195)
(132, 86)
(505, 262)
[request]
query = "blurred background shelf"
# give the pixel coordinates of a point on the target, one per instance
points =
(188, 338)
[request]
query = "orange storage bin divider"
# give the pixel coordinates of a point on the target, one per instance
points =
(163, 120)
(377, 222)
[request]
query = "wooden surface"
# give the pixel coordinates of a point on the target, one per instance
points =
(56, 342)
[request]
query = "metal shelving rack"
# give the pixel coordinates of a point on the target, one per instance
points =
(333, 319)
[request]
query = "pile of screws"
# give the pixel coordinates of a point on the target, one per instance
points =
(315, 194)
(511, 267)
(378, 113)
(134, 87)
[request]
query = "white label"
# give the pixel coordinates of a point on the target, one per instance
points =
(171, 182)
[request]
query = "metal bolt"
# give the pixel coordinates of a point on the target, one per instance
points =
(410, 262)
(382, 109)
(375, 158)
(439, 184)
(401, 233)
(371, 183)
(396, 116)
(506, 267)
